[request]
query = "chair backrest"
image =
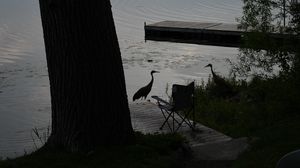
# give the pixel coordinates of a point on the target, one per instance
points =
(183, 96)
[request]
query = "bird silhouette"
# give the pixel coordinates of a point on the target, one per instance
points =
(144, 91)
(224, 89)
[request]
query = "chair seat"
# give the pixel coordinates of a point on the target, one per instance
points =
(166, 107)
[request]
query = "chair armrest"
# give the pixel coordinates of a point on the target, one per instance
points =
(162, 104)
(161, 100)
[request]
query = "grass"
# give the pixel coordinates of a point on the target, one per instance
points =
(265, 110)
(150, 151)
(274, 142)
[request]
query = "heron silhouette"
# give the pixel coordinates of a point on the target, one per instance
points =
(224, 88)
(144, 91)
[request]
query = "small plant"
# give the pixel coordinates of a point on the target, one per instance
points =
(41, 137)
(167, 93)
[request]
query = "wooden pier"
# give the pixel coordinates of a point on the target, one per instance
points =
(147, 118)
(218, 34)
(206, 143)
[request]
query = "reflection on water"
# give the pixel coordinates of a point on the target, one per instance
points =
(24, 84)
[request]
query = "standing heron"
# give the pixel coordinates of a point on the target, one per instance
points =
(224, 88)
(217, 79)
(144, 91)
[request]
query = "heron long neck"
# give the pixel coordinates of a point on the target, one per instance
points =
(152, 79)
(212, 71)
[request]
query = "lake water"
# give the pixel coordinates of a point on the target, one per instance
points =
(24, 83)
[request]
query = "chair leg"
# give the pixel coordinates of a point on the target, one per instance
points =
(184, 119)
(170, 114)
(166, 119)
(173, 122)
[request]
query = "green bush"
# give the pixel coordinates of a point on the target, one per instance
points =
(258, 103)
(264, 109)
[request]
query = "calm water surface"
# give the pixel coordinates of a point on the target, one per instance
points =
(24, 84)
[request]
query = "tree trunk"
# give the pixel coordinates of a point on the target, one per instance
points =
(88, 93)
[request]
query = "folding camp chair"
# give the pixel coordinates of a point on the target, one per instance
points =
(180, 109)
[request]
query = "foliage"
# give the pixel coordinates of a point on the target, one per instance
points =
(273, 143)
(262, 53)
(259, 103)
(266, 110)
(257, 16)
(149, 151)
(295, 18)
(269, 16)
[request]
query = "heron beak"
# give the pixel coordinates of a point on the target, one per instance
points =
(156, 71)
(206, 66)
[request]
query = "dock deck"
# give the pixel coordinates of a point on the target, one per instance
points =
(205, 33)
(208, 145)
(219, 34)
(147, 118)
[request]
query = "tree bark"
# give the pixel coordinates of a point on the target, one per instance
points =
(87, 83)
